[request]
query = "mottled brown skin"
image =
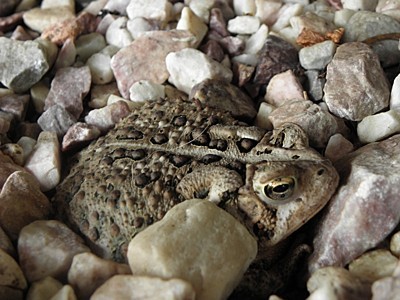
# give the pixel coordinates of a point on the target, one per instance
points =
(172, 150)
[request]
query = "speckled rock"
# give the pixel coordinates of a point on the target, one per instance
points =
(135, 62)
(56, 119)
(23, 63)
(88, 272)
(21, 202)
(40, 19)
(46, 248)
(364, 89)
(69, 86)
(365, 209)
(43, 289)
(79, 135)
(215, 269)
(142, 287)
(14, 104)
(106, 117)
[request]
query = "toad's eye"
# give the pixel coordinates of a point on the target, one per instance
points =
(280, 188)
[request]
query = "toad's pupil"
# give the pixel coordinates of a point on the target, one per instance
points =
(282, 188)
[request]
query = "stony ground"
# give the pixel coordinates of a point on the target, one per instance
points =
(70, 70)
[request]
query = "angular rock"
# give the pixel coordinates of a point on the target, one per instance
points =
(144, 90)
(317, 56)
(233, 45)
(89, 44)
(285, 14)
(79, 135)
(217, 22)
(159, 10)
(100, 68)
(365, 209)
(46, 248)
(7, 167)
(283, 88)
(395, 94)
(192, 23)
(14, 104)
(65, 293)
(356, 85)
(377, 127)
(267, 11)
(135, 62)
(189, 67)
(255, 43)
(244, 25)
(88, 272)
(11, 274)
(338, 146)
(23, 63)
(213, 49)
(142, 287)
(312, 22)
(387, 288)
(221, 94)
(21, 202)
(117, 34)
(202, 8)
(45, 162)
(68, 88)
(56, 119)
(43, 289)
(215, 269)
(315, 84)
(41, 19)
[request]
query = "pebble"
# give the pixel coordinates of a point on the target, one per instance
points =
(23, 63)
(27, 144)
(338, 146)
(244, 7)
(215, 269)
(38, 93)
(317, 57)
(133, 63)
(39, 19)
(262, 118)
(45, 162)
(11, 274)
(65, 293)
(15, 104)
(144, 90)
(106, 117)
(100, 68)
(56, 119)
(21, 202)
(117, 33)
(139, 26)
(233, 45)
(257, 40)
(312, 22)
(88, 44)
(88, 272)
(285, 15)
(315, 84)
(58, 3)
(192, 23)
(217, 23)
(214, 50)
(267, 11)
(68, 88)
(7, 167)
(244, 25)
(364, 210)
(43, 289)
(7, 6)
(395, 244)
(159, 10)
(201, 8)
(46, 248)
(14, 151)
(78, 135)
(100, 93)
(117, 6)
(189, 67)
(395, 94)
(379, 126)
(6, 244)
(143, 287)
(359, 4)
(387, 288)
(361, 93)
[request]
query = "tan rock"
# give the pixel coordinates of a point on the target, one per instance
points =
(8, 293)
(46, 248)
(395, 244)
(66, 293)
(10, 273)
(191, 22)
(88, 272)
(194, 242)
(14, 151)
(39, 19)
(5, 243)
(141, 287)
(44, 289)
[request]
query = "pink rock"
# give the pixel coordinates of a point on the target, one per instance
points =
(218, 22)
(68, 88)
(79, 134)
(144, 58)
(365, 209)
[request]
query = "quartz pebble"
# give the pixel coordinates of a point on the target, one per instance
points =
(117, 34)
(144, 90)
(215, 269)
(100, 68)
(88, 272)
(56, 119)
(117, 6)
(244, 25)
(189, 67)
(142, 287)
(46, 248)
(40, 19)
(317, 56)
(79, 135)
(285, 14)
(360, 94)
(395, 94)
(139, 26)
(159, 10)
(365, 209)
(256, 41)
(377, 127)
(43, 289)
(192, 23)
(244, 7)
(106, 117)
(65, 293)
(387, 288)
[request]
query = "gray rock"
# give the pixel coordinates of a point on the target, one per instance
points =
(7, 6)
(317, 56)
(366, 24)
(365, 209)
(15, 105)
(387, 288)
(56, 119)
(315, 84)
(23, 63)
(356, 85)
(68, 88)
(78, 135)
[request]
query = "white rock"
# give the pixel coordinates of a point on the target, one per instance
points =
(244, 7)
(342, 17)
(38, 95)
(159, 10)
(109, 50)
(290, 35)
(201, 8)
(132, 105)
(117, 34)
(99, 94)
(378, 126)
(257, 40)
(337, 147)
(189, 67)
(395, 244)
(395, 94)
(246, 59)
(57, 3)
(100, 68)
(244, 25)
(142, 287)
(65, 293)
(44, 162)
(311, 21)
(88, 44)
(117, 5)
(317, 57)
(138, 26)
(105, 23)
(286, 12)
(144, 90)
(283, 88)
(267, 11)
(189, 21)
(44, 289)
(94, 7)
(166, 249)
(106, 117)
(360, 4)
(262, 116)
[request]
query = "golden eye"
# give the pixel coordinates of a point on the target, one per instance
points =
(280, 188)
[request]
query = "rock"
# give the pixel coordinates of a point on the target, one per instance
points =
(100, 68)
(88, 272)
(45, 162)
(142, 287)
(213, 49)
(21, 202)
(285, 14)
(117, 6)
(11, 293)
(317, 56)
(201, 8)
(364, 210)
(68, 88)
(139, 26)
(262, 118)
(319, 124)
(311, 21)
(192, 23)
(233, 45)
(374, 265)
(27, 144)
(367, 24)
(100, 93)
(117, 33)
(39, 93)
(58, 3)
(11, 274)
(244, 25)
(28, 129)
(217, 23)
(244, 7)
(395, 94)
(56, 119)
(14, 104)
(267, 11)
(14, 151)
(78, 135)
(276, 56)
(257, 40)
(386, 288)
(106, 117)
(23, 63)
(189, 67)
(337, 283)
(359, 4)
(215, 269)
(41, 19)
(8, 6)
(10, 23)
(89, 44)
(159, 10)
(283, 88)
(364, 89)
(7, 167)
(46, 248)
(5, 122)
(377, 127)
(395, 244)
(65, 293)
(338, 146)
(145, 90)
(315, 84)
(6, 244)
(44, 289)
(221, 94)
(66, 56)
(134, 62)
